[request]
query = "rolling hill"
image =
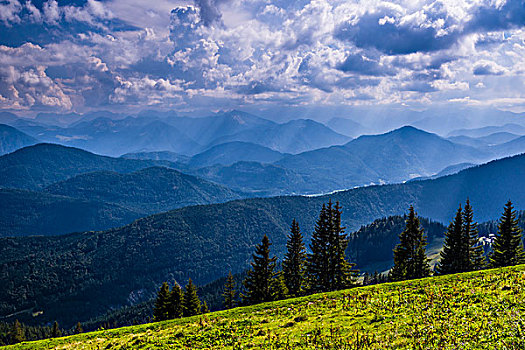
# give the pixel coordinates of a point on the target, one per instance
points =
(24, 213)
(233, 152)
(73, 278)
(12, 139)
(36, 167)
(146, 191)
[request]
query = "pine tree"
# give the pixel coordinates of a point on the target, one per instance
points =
(507, 248)
(175, 302)
(78, 328)
(410, 259)
(191, 305)
(294, 261)
(454, 257)
(260, 282)
(327, 267)
(229, 293)
(204, 308)
(162, 303)
(344, 276)
(56, 332)
(280, 291)
(470, 227)
(318, 262)
(17, 334)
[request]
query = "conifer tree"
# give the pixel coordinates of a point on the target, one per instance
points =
(204, 309)
(78, 328)
(327, 267)
(175, 302)
(260, 282)
(318, 262)
(507, 248)
(191, 304)
(280, 291)
(294, 261)
(229, 292)
(344, 276)
(470, 227)
(410, 259)
(454, 257)
(17, 333)
(56, 332)
(162, 303)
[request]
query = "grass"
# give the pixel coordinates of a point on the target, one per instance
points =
(476, 310)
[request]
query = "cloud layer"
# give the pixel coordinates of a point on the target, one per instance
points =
(228, 53)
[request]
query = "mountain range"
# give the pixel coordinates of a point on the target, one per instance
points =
(84, 274)
(12, 139)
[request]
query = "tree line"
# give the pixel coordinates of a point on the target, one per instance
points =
(325, 268)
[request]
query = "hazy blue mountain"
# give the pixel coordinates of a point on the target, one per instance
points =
(206, 130)
(498, 138)
(292, 137)
(392, 157)
(129, 135)
(12, 139)
(146, 191)
(255, 178)
(7, 117)
(516, 146)
(346, 127)
(160, 155)
(205, 242)
(453, 169)
(24, 213)
(488, 130)
(232, 152)
(469, 141)
(38, 166)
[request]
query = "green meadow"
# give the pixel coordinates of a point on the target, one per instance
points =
(475, 310)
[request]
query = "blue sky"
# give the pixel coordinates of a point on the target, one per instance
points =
(220, 54)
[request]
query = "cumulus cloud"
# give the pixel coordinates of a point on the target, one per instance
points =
(183, 53)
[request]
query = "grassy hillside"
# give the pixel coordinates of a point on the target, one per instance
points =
(477, 310)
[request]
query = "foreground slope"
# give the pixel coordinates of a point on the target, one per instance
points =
(476, 310)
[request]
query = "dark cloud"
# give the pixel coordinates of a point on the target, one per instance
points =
(487, 68)
(209, 11)
(360, 64)
(510, 15)
(392, 38)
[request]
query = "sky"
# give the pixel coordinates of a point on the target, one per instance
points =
(125, 55)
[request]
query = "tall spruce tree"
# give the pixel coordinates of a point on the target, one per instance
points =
(191, 305)
(410, 259)
(229, 294)
(294, 261)
(78, 328)
(175, 302)
(327, 267)
(17, 334)
(470, 228)
(56, 331)
(260, 282)
(454, 257)
(344, 276)
(162, 303)
(318, 261)
(507, 248)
